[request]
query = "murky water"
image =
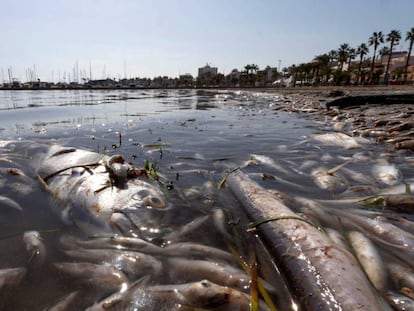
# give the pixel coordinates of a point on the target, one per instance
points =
(192, 137)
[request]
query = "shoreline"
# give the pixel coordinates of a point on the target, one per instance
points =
(383, 115)
(282, 90)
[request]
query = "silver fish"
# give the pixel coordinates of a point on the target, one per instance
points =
(341, 140)
(400, 302)
(10, 203)
(386, 173)
(133, 264)
(202, 294)
(402, 275)
(81, 179)
(325, 276)
(369, 258)
(187, 270)
(112, 242)
(194, 250)
(104, 277)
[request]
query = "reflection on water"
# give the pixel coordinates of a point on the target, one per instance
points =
(190, 137)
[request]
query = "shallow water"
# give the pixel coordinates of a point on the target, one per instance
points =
(190, 135)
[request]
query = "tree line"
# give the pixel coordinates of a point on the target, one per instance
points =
(329, 67)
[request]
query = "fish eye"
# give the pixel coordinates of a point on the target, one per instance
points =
(155, 201)
(205, 283)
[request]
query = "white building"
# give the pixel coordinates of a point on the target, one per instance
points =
(207, 71)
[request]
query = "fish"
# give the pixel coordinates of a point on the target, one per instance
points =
(11, 277)
(325, 179)
(269, 162)
(89, 186)
(386, 173)
(401, 275)
(202, 294)
(400, 302)
(8, 203)
(65, 303)
(187, 270)
(369, 258)
(112, 242)
(341, 140)
(323, 275)
(104, 277)
(35, 248)
(133, 264)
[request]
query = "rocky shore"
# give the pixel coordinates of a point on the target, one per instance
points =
(385, 114)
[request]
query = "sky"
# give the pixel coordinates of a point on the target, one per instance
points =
(148, 38)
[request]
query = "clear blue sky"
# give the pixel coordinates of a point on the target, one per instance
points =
(169, 37)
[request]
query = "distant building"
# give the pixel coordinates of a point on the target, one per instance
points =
(398, 60)
(103, 83)
(269, 74)
(186, 80)
(207, 72)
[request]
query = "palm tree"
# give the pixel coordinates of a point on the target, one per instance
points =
(321, 63)
(409, 37)
(393, 37)
(376, 39)
(343, 53)
(362, 50)
(351, 56)
(333, 54)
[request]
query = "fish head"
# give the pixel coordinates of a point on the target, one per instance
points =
(147, 195)
(205, 294)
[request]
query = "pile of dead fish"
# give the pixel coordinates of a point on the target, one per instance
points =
(361, 223)
(105, 254)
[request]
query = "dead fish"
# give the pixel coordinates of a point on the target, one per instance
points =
(329, 275)
(267, 161)
(112, 242)
(401, 275)
(380, 230)
(35, 248)
(358, 177)
(341, 140)
(6, 202)
(79, 178)
(337, 238)
(192, 296)
(186, 229)
(191, 250)
(133, 264)
(369, 258)
(104, 277)
(401, 203)
(11, 276)
(189, 270)
(326, 181)
(407, 144)
(65, 303)
(399, 302)
(220, 223)
(386, 173)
